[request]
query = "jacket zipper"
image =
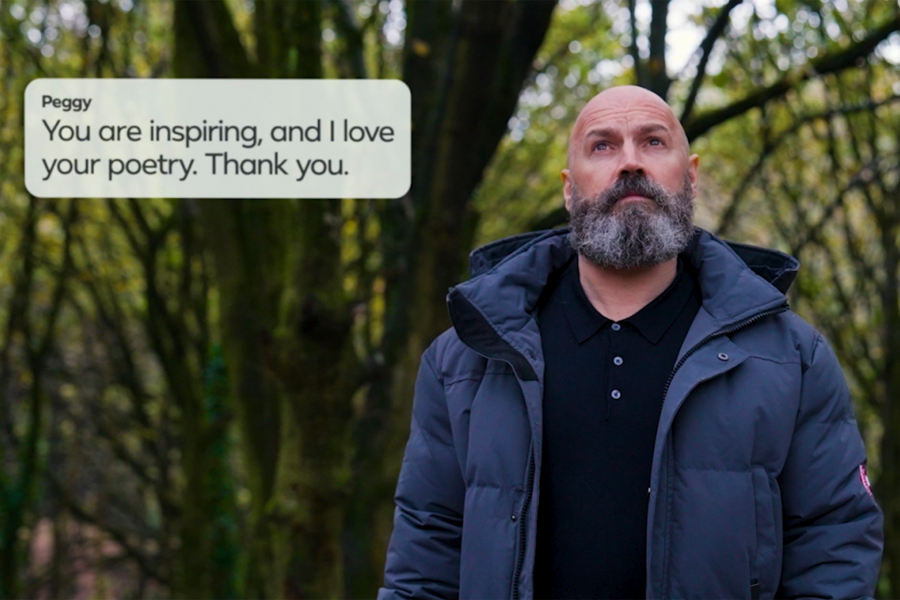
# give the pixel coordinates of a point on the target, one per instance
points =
(521, 558)
(722, 332)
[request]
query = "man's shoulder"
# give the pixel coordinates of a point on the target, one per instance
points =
(447, 343)
(788, 334)
(451, 358)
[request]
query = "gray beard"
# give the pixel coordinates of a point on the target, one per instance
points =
(635, 236)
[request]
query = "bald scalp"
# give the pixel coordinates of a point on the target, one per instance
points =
(624, 95)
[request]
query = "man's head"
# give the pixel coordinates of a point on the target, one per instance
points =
(630, 181)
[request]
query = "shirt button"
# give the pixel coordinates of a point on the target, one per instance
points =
(723, 356)
(616, 394)
(514, 517)
(616, 327)
(617, 361)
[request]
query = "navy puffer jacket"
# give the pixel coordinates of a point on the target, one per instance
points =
(758, 487)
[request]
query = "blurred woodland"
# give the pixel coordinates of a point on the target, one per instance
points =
(210, 398)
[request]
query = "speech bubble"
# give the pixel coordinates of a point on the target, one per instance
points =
(217, 138)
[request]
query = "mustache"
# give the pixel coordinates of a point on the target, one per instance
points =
(636, 184)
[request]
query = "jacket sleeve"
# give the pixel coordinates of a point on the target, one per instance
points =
(424, 551)
(832, 526)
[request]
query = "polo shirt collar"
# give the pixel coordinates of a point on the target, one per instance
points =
(652, 321)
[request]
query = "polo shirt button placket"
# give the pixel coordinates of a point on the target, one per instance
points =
(615, 394)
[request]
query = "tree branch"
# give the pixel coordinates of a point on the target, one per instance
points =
(216, 39)
(633, 47)
(352, 33)
(144, 562)
(712, 35)
(830, 63)
(657, 78)
(728, 217)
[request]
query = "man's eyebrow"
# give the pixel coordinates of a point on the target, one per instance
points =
(653, 128)
(600, 132)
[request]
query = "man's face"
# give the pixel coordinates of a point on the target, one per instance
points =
(630, 180)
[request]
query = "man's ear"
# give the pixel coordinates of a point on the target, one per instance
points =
(567, 187)
(694, 161)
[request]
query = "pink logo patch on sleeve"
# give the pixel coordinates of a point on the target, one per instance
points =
(864, 477)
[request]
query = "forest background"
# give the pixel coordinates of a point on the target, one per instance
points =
(210, 398)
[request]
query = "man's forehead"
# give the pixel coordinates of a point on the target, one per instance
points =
(625, 106)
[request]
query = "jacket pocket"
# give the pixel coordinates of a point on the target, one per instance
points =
(764, 580)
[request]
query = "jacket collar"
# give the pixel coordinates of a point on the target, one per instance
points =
(493, 312)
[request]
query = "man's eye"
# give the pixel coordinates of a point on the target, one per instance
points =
(601, 146)
(656, 142)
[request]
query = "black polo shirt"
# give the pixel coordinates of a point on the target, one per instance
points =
(603, 393)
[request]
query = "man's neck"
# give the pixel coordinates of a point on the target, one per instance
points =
(619, 293)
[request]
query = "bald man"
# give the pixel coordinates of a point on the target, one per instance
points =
(627, 407)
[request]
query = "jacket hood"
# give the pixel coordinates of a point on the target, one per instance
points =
(493, 312)
(776, 267)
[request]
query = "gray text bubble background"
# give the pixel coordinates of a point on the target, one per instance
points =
(375, 169)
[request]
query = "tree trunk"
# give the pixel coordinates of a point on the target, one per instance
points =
(465, 67)
(285, 324)
(320, 478)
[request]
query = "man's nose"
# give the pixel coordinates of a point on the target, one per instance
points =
(631, 161)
